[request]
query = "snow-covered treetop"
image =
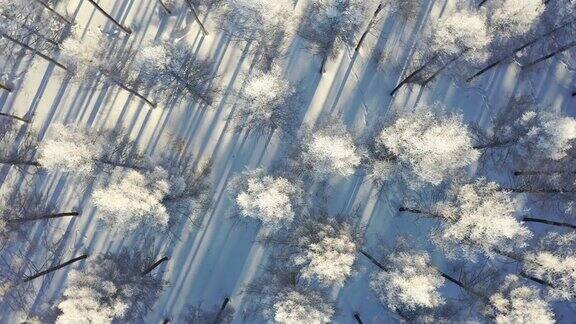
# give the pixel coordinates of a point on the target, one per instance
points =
(111, 288)
(410, 284)
(510, 19)
(171, 72)
(551, 134)
(519, 304)
(86, 151)
(328, 255)
(432, 146)
(273, 201)
(480, 216)
(555, 263)
(84, 298)
(332, 24)
(462, 35)
(331, 151)
(269, 102)
(293, 307)
(70, 149)
(84, 55)
(133, 200)
(268, 23)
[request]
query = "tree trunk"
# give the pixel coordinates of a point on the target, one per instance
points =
(24, 26)
(36, 52)
(24, 120)
(518, 49)
(54, 12)
(544, 58)
(323, 64)
(222, 308)
(549, 222)
(127, 30)
(155, 265)
(165, 7)
(121, 165)
(481, 3)
(410, 210)
(494, 144)
(166, 321)
(534, 172)
(52, 269)
(371, 258)
(132, 91)
(197, 18)
(369, 27)
(17, 162)
(5, 87)
(49, 216)
(537, 280)
(433, 76)
(409, 78)
(537, 190)
(357, 318)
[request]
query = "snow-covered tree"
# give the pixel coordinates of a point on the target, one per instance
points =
(134, 199)
(88, 152)
(327, 255)
(554, 264)
(410, 284)
(330, 151)
(515, 303)
(113, 287)
(190, 191)
(525, 134)
(462, 36)
(265, 24)
(478, 217)
(268, 103)
(512, 19)
(18, 145)
(332, 25)
(26, 25)
(93, 58)
(321, 248)
(432, 147)
(274, 201)
(171, 73)
(294, 306)
(19, 210)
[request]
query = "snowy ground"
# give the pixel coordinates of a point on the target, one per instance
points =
(218, 259)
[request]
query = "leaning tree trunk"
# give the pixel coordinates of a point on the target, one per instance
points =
(323, 64)
(357, 318)
(36, 52)
(122, 165)
(412, 75)
(544, 58)
(132, 91)
(5, 87)
(52, 269)
(369, 27)
(549, 222)
(537, 190)
(481, 3)
(24, 120)
(20, 162)
(54, 12)
(42, 217)
(196, 17)
(127, 30)
(165, 7)
(155, 265)
(518, 49)
(535, 172)
(495, 144)
(218, 317)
